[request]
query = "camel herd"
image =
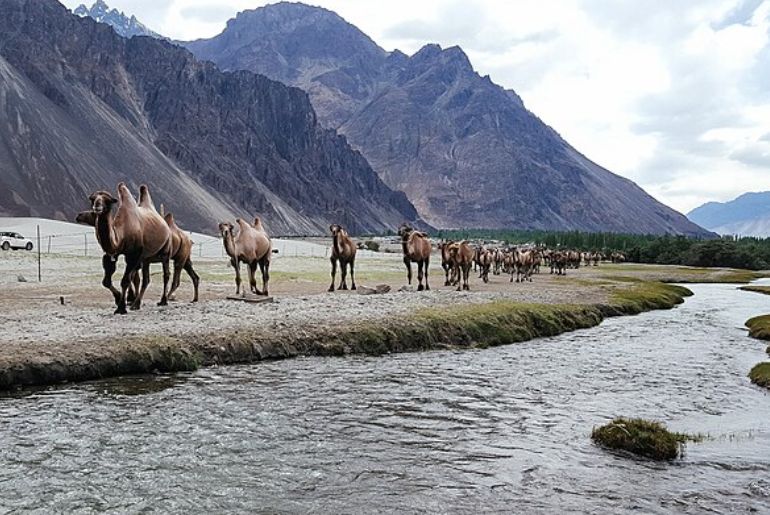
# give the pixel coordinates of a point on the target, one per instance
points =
(133, 228)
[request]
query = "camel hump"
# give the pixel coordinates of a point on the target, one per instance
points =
(258, 223)
(125, 196)
(168, 217)
(421, 234)
(145, 200)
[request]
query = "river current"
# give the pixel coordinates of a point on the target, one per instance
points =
(504, 429)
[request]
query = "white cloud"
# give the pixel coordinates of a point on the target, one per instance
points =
(670, 94)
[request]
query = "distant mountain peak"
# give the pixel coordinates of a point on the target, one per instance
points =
(748, 215)
(126, 26)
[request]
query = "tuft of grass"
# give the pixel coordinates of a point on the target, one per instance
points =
(760, 375)
(759, 327)
(756, 289)
(641, 437)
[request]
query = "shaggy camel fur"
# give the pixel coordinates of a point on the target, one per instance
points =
(485, 258)
(251, 246)
(416, 248)
(525, 265)
(461, 258)
(138, 233)
(344, 251)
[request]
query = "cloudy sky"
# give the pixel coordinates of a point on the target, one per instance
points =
(674, 95)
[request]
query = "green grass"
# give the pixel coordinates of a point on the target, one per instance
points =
(760, 374)
(642, 437)
(757, 289)
(759, 327)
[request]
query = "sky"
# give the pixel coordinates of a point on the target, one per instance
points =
(674, 95)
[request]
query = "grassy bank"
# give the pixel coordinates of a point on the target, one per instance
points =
(454, 326)
(757, 289)
(760, 375)
(759, 327)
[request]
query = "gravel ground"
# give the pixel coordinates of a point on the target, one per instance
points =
(33, 315)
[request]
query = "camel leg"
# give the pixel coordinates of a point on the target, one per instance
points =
(334, 273)
(420, 287)
(166, 277)
(237, 266)
(133, 289)
(132, 265)
(466, 274)
(446, 275)
(137, 304)
(457, 272)
(253, 278)
(264, 267)
(175, 281)
(352, 275)
(344, 270)
(109, 267)
(408, 264)
(188, 267)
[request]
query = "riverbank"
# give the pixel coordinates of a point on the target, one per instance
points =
(82, 340)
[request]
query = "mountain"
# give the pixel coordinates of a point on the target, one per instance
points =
(466, 152)
(747, 215)
(125, 26)
(83, 108)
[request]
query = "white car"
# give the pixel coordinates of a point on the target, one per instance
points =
(14, 240)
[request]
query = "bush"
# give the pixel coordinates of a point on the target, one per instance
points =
(641, 437)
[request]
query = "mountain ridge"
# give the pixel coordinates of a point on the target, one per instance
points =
(747, 215)
(85, 108)
(465, 151)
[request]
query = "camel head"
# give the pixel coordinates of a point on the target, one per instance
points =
(86, 218)
(102, 202)
(405, 230)
(225, 229)
(335, 229)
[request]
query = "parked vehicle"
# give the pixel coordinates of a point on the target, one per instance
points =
(14, 240)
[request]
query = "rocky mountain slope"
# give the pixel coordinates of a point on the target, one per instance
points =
(465, 151)
(124, 25)
(747, 215)
(83, 108)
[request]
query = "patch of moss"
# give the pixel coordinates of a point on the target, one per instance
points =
(646, 438)
(760, 374)
(756, 289)
(759, 327)
(646, 296)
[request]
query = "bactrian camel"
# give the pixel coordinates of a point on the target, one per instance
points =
(136, 232)
(416, 248)
(344, 252)
(251, 246)
(461, 259)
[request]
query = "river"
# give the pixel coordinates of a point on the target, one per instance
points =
(501, 429)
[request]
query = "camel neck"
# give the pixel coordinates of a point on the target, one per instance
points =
(229, 244)
(105, 233)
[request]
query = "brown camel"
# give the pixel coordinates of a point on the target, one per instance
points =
(344, 252)
(485, 259)
(417, 249)
(136, 232)
(446, 263)
(461, 258)
(181, 255)
(251, 246)
(524, 265)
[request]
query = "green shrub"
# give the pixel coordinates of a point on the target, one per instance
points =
(641, 437)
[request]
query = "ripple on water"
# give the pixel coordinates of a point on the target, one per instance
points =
(503, 429)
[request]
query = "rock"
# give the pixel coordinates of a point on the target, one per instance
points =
(379, 289)
(21, 278)
(406, 288)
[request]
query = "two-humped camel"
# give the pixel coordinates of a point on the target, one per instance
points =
(251, 246)
(136, 232)
(446, 263)
(416, 248)
(344, 252)
(461, 259)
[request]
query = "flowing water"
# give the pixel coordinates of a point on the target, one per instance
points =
(502, 429)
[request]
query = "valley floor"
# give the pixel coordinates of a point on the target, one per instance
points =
(44, 341)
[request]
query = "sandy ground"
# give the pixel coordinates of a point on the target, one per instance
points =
(32, 313)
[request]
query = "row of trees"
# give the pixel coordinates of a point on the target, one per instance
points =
(733, 252)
